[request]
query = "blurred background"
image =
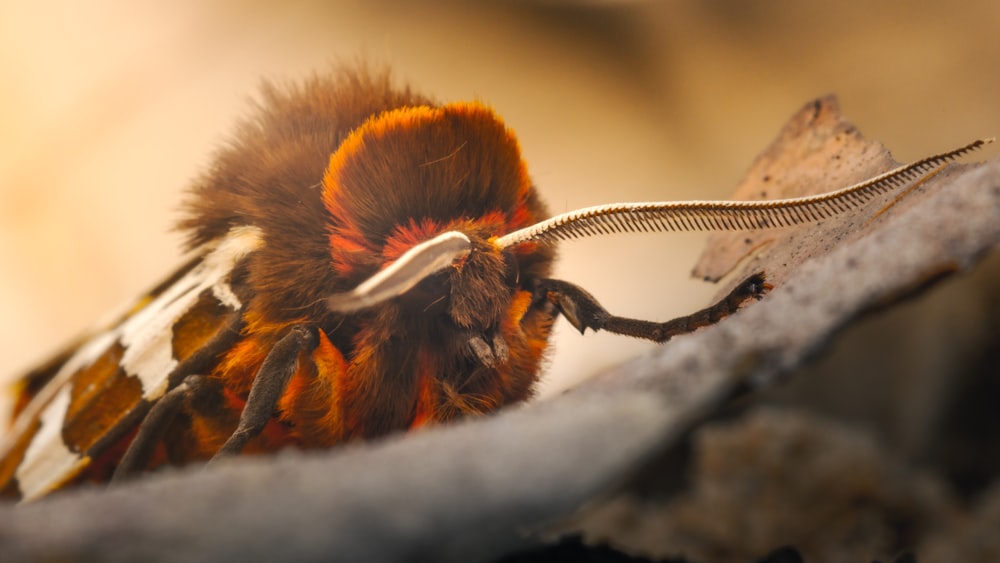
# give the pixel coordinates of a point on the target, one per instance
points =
(107, 110)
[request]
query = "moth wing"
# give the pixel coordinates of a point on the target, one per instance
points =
(100, 390)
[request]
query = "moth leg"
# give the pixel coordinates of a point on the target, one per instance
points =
(268, 386)
(583, 311)
(151, 429)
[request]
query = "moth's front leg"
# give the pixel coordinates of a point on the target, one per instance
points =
(268, 386)
(583, 310)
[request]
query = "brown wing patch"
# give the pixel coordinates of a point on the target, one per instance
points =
(101, 395)
(32, 382)
(196, 330)
(199, 325)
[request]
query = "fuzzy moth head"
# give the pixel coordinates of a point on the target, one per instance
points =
(415, 196)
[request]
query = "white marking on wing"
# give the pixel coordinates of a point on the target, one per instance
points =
(147, 335)
(86, 355)
(147, 339)
(47, 455)
(224, 293)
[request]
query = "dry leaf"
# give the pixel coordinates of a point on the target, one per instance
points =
(818, 151)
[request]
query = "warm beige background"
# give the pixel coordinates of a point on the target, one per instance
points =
(107, 109)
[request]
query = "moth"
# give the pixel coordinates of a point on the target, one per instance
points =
(363, 261)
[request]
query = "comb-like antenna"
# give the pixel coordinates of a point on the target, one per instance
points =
(723, 215)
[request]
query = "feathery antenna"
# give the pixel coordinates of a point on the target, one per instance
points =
(731, 215)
